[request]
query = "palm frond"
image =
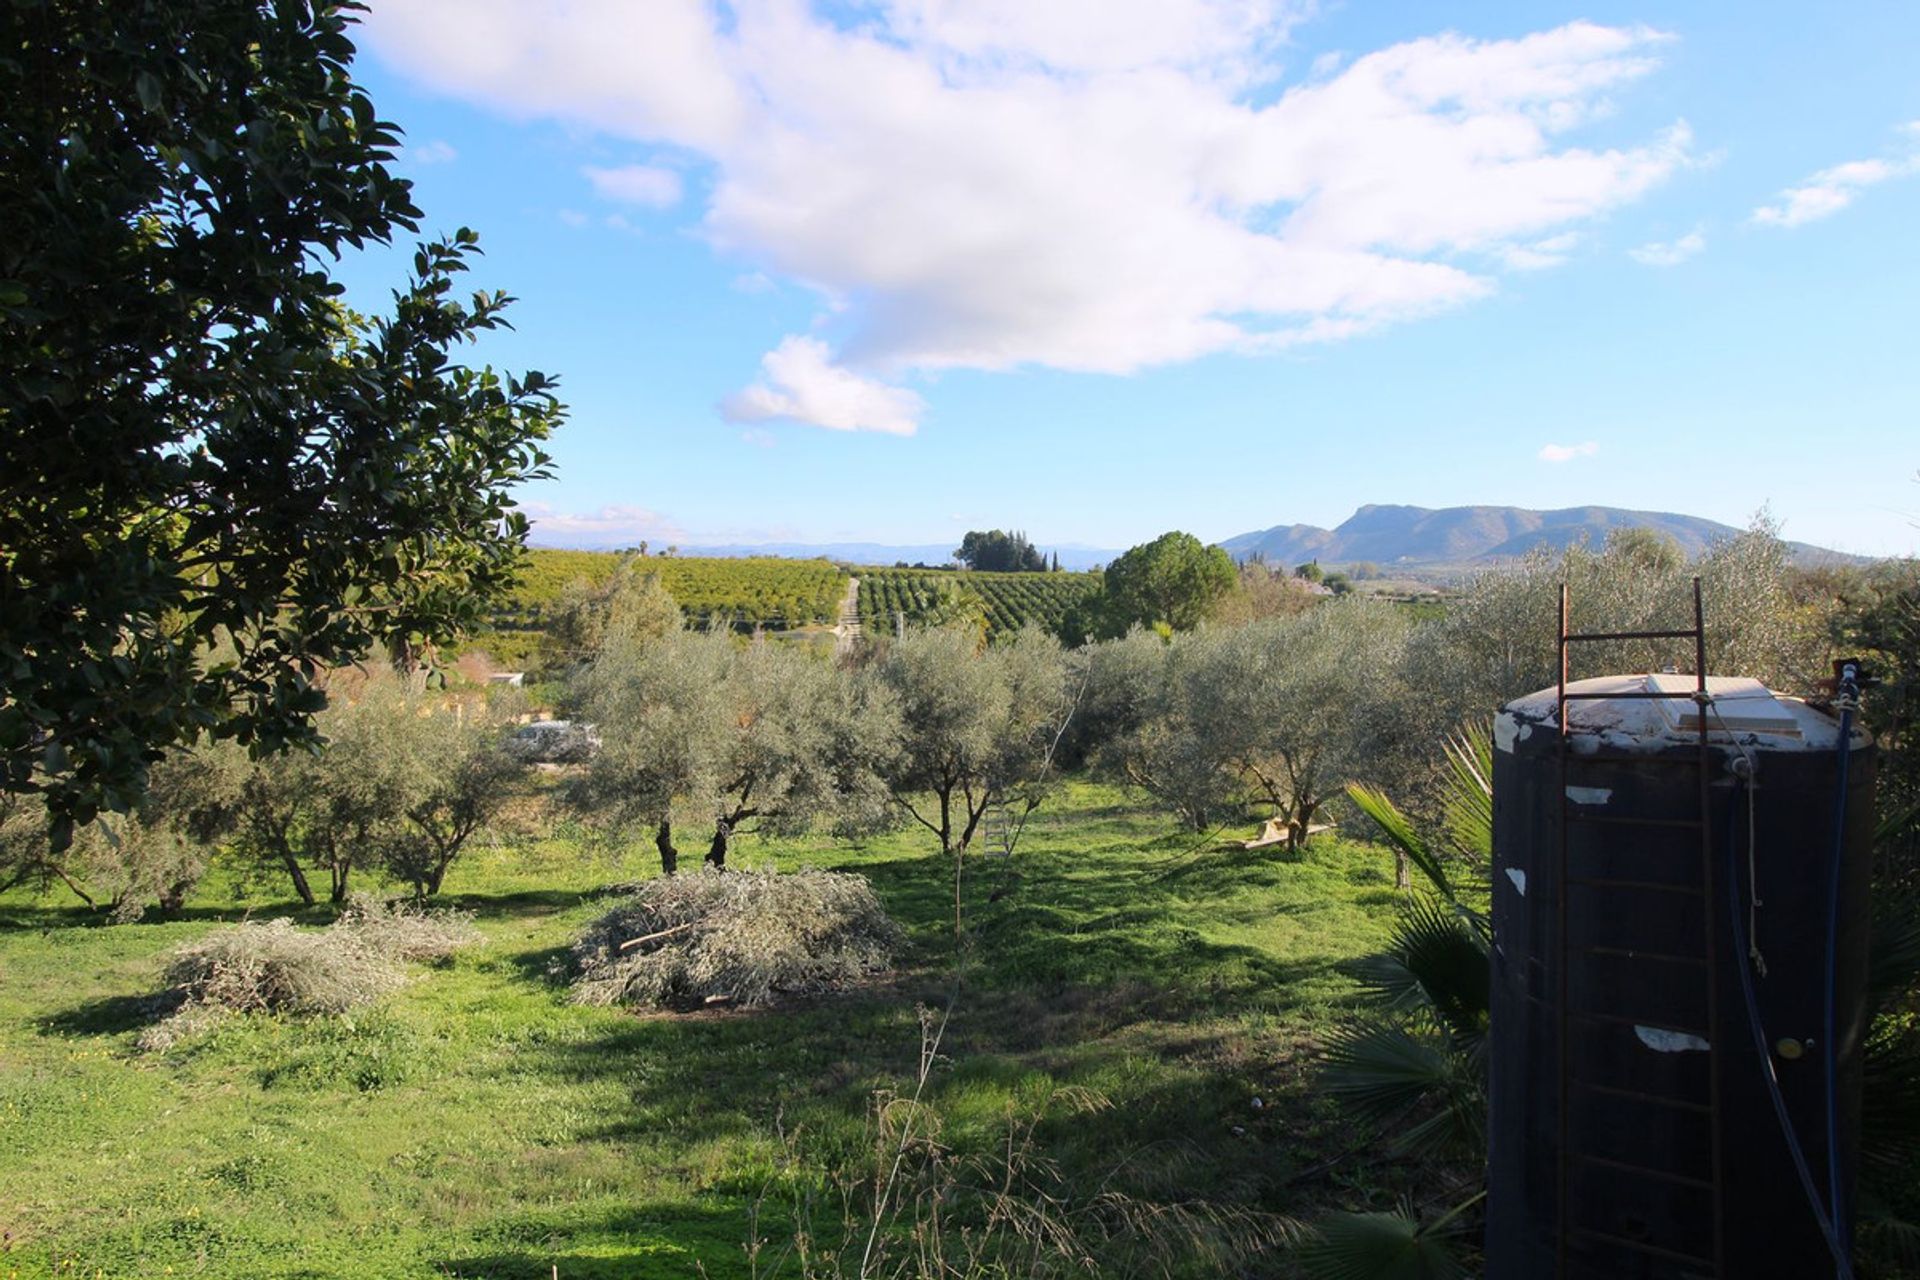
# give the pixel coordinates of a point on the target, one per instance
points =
(1886, 1237)
(1382, 1246)
(1437, 960)
(1890, 1104)
(1400, 833)
(1893, 965)
(1467, 801)
(1895, 824)
(1388, 1072)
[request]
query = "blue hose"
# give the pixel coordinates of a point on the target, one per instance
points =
(1831, 1055)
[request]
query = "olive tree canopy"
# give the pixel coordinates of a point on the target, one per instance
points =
(698, 729)
(981, 723)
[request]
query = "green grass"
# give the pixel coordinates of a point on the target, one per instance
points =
(477, 1124)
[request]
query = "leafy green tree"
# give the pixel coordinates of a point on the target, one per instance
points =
(204, 450)
(1262, 593)
(149, 858)
(1880, 624)
(331, 809)
(1650, 549)
(1173, 582)
(1140, 716)
(995, 551)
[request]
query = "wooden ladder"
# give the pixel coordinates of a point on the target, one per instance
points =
(1634, 969)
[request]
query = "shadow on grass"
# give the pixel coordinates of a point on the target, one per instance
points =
(111, 1015)
(549, 967)
(37, 918)
(523, 904)
(640, 1243)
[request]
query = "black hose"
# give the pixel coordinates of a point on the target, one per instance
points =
(1764, 1053)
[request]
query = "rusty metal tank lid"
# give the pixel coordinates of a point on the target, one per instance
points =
(1742, 709)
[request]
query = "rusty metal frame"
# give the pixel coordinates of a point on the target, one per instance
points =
(1703, 761)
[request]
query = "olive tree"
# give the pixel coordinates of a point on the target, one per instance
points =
(981, 725)
(700, 729)
(447, 763)
(1139, 718)
(151, 857)
(203, 449)
(632, 604)
(1280, 714)
(1496, 640)
(401, 783)
(329, 809)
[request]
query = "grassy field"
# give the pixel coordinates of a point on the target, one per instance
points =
(478, 1124)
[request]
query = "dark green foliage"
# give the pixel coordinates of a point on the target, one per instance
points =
(202, 447)
(1381, 1246)
(1173, 582)
(1880, 624)
(1415, 1067)
(1437, 961)
(996, 551)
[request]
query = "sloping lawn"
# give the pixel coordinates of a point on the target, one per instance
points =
(1134, 994)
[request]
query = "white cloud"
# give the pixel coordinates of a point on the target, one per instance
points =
(1831, 190)
(1567, 452)
(437, 151)
(1100, 185)
(1669, 253)
(607, 526)
(1540, 254)
(642, 184)
(574, 218)
(801, 384)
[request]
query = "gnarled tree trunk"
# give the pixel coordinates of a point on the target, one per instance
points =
(663, 841)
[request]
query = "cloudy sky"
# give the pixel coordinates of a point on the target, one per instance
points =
(892, 269)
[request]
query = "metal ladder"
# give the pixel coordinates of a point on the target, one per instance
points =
(1655, 969)
(996, 832)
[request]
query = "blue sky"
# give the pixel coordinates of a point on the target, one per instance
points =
(1096, 269)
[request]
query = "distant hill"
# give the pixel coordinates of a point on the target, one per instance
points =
(1073, 555)
(1421, 539)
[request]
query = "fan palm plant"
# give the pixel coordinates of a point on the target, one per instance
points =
(1414, 1066)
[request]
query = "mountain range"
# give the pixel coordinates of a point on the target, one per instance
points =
(1423, 539)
